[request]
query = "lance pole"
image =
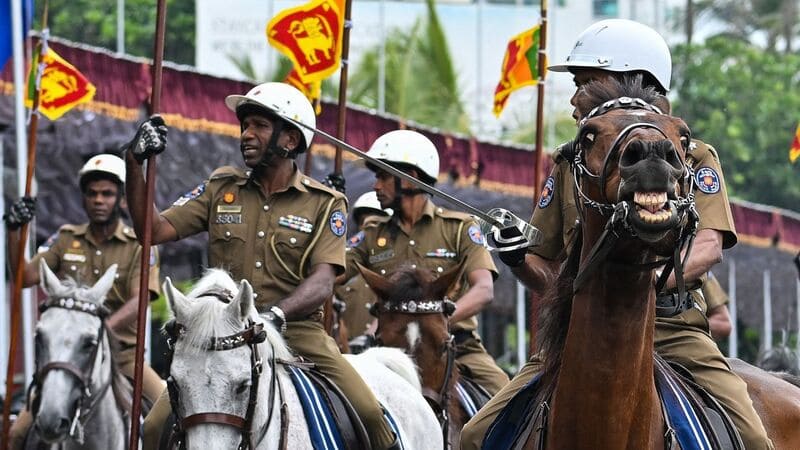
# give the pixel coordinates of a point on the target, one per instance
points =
(144, 276)
(341, 129)
(538, 172)
(19, 269)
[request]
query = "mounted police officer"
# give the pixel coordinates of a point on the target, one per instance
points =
(270, 224)
(84, 252)
(606, 50)
(423, 234)
(356, 293)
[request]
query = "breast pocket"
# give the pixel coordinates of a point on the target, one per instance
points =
(226, 247)
(287, 254)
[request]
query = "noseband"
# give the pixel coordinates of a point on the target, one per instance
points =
(84, 377)
(253, 335)
(438, 400)
(618, 224)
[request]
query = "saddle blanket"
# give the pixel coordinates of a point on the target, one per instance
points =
(323, 430)
(506, 433)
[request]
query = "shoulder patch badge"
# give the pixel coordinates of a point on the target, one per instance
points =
(355, 239)
(707, 180)
(547, 193)
(191, 195)
(48, 243)
(475, 234)
(338, 223)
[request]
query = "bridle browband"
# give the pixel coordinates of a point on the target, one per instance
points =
(251, 336)
(438, 400)
(84, 377)
(618, 224)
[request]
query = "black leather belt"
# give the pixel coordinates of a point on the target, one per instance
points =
(461, 336)
(670, 305)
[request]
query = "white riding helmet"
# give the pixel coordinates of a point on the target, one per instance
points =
(409, 148)
(281, 99)
(369, 201)
(620, 45)
(106, 164)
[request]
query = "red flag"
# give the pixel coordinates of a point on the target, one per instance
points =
(794, 152)
(312, 91)
(520, 67)
(61, 87)
(310, 35)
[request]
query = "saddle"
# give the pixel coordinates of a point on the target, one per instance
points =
(471, 395)
(325, 405)
(693, 418)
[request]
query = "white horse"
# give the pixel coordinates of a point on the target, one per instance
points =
(215, 387)
(76, 387)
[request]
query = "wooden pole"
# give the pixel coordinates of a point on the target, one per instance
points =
(19, 273)
(537, 173)
(341, 129)
(144, 276)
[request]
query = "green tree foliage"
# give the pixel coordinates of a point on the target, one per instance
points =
(745, 101)
(421, 83)
(94, 22)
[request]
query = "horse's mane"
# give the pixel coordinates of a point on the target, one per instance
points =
(206, 318)
(595, 93)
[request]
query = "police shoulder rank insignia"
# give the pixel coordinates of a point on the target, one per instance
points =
(707, 180)
(547, 192)
(355, 239)
(475, 234)
(338, 223)
(191, 195)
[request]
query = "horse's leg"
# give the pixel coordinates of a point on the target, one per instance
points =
(776, 401)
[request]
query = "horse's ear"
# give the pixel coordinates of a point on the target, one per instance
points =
(380, 285)
(103, 285)
(243, 302)
(441, 285)
(175, 298)
(47, 279)
(662, 102)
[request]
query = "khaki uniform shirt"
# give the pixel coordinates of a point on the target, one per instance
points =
(713, 292)
(73, 252)
(556, 214)
(440, 240)
(272, 241)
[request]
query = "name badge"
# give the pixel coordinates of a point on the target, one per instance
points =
(228, 218)
(383, 256)
(228, 209)
(74, 257)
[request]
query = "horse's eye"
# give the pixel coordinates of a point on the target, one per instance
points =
(243, 387)
(685, 141)
(588, 137)
(89, 344)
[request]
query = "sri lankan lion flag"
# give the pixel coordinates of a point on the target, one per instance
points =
(794, 152)
(312, 91)
(61, 87)
(310, 35)
(519, 67)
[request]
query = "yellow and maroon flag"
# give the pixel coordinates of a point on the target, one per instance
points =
(312, 91)
(310, 35)
(61, 86)
(520, 67)
(794, 152)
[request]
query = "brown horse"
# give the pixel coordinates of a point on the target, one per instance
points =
(598, 327)
(413, 313)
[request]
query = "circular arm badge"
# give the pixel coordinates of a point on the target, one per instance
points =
(547, 193)
(707, 180)
(338, 223)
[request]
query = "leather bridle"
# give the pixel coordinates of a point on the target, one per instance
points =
(618, 214)
(251, 336)
(440, 399)
(83, 375)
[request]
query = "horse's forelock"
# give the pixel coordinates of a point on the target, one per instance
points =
(408, 285)
(595, 93)
(213, 278)
(69, 287)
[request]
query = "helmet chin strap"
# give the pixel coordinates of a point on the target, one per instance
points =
(400, 192)
(273, 149)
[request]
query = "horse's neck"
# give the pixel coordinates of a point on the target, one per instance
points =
(107, 422)
(297, 430)
(605, 382)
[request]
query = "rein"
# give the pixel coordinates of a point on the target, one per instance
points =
(84, 377)
(253, 335)
(618, 224)
(440, 400)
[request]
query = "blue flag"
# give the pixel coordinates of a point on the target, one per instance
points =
(6, 48)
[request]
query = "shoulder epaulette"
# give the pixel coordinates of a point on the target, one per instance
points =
(227, 172)
(452, 215)
(698, 149)
(68, 227)
(317, 186)
(128, 231)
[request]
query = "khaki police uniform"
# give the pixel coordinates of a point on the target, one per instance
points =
(440, 240)
(684, 338)
(713, 293)
(273, 242)
(73, 252)
(358, 297)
